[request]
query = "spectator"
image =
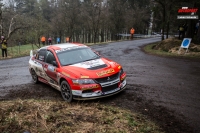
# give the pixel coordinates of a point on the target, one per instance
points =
(67, 39)
(198, 33)
(50, 41)
(43, 39)
(182, 29)
(3, 46)
(132, 31)
(196, 27)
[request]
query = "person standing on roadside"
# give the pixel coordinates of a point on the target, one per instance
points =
(132, 31)
(50, 41)
(196, 27)
(43, 39)
(3, 46)
(67, 39)
(180, 31)
(198, 32)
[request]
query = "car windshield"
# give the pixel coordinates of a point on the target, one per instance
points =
(69, 57)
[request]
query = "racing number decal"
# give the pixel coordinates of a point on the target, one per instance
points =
(105, 72)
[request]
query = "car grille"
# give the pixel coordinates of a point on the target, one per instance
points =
(98, 67)
(109, 88)
(105, 79)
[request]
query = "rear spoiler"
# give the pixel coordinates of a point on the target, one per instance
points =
(33, 52)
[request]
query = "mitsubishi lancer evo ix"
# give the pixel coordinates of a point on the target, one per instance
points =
(77, 71)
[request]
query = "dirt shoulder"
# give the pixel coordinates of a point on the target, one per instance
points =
(171, 48)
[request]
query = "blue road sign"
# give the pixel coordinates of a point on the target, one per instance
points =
(186, 42)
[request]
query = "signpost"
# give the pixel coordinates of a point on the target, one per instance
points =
(185, 44)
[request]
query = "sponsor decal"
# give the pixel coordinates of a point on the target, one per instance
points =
(84, 77)
(38, 64)
(112, 91)
(77, 92)
(41, 58)
(51, 68)
(69, 48)
(187, 13)
(119, 67)
(187, 10)
(105, 72)
(90, 64)
(89, 87)
(123, 77)
(66, 74)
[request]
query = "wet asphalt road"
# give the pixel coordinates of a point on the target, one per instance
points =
(169, 82)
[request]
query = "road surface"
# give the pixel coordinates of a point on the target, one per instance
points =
(166, 90)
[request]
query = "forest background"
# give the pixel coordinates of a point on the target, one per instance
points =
(91, 21)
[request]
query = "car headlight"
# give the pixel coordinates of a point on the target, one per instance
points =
(83, 81)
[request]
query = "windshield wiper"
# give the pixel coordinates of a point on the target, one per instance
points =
(68, 64)
(95, 57)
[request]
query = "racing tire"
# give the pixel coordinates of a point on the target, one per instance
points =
(66, 92)
(34, 76)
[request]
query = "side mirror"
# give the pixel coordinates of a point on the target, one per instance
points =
(55, 64)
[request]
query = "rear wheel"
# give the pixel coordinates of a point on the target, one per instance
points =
(66, 92)
(34, 76)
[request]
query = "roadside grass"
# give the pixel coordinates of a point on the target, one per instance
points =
(19, 51)
(24, 50)
(174, 52)
(58, 116)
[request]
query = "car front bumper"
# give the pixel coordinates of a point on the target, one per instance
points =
(99, 94)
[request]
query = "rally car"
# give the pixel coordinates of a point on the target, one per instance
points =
(77, 71)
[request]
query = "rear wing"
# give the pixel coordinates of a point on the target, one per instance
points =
(33, 52)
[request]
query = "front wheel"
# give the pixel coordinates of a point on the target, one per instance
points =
(66, 92)
(34, 76)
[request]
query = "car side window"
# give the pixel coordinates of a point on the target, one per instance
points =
(41, 55)
(50, 57)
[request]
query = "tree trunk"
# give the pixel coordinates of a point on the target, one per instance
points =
(163, 26)
(167, 29)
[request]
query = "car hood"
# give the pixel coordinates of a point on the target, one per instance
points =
(97, 68)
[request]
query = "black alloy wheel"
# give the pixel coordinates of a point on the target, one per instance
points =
(34, 76)
(66, 92)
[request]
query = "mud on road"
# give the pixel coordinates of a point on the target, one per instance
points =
(165, 90)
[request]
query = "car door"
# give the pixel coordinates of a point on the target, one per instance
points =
(40, 62)
(49, 68)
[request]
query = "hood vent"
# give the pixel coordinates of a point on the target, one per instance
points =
(97, 67)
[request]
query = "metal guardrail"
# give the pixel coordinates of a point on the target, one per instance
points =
(138, 35)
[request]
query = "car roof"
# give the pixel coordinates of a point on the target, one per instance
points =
(62, 46)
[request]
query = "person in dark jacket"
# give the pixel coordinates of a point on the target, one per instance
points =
(3, 46)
